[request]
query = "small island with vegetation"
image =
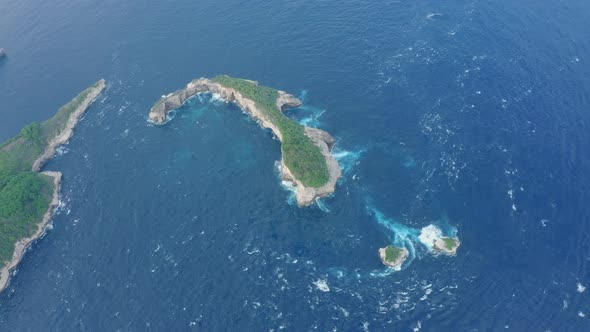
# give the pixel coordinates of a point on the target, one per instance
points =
(446, 245)
(28, 196)
(306, 160)
(393, 256)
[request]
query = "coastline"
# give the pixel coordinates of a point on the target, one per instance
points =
(21, 246)
(323, 140)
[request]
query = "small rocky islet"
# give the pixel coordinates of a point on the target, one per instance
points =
(393, 256)
(446, 245)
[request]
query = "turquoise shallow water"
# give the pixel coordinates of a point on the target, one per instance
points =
(471, 116)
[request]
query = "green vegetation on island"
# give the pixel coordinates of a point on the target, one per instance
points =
(446, 245)
(393, 256)
(392, 253)
(24, 194)
(449, 243)
(303, 158)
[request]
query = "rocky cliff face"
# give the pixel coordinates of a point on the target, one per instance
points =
(286, 101)
(305, 195)
(66, 133)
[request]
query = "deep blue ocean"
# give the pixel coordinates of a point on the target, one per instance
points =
(471, 116)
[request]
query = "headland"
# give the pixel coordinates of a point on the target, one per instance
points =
(28, 196)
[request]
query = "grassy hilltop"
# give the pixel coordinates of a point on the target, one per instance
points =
(24, 194)
(302, 157)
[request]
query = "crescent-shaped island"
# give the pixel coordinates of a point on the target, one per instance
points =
(306, 160)
(27, 195)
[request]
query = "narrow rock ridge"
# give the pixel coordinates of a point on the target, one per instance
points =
(305, 195)
(65, 135)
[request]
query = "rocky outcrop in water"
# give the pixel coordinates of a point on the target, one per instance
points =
(393, 257)
(65, 135)
(446, 245)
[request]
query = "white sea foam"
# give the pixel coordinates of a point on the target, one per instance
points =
(344, 312)
(292, 191)
(216, 98)
(429, 234)
(321, 205)
(322, 285)
(287, 185)
(580, 288)
(418, 326)
(302, 96)
(313, 120)
(401, 232)
(61, 150)
(366, 326)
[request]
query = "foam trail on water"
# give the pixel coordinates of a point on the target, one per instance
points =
(287, 185)
(321, 205)
(303, 95)
(313, 119)
(400, 235)
(347, 159)
(310, 114)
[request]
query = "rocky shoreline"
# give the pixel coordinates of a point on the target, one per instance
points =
(65, 135)
(22, 245)
(305, 195)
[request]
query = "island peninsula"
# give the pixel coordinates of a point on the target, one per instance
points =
(28, 196)
(306, 160)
